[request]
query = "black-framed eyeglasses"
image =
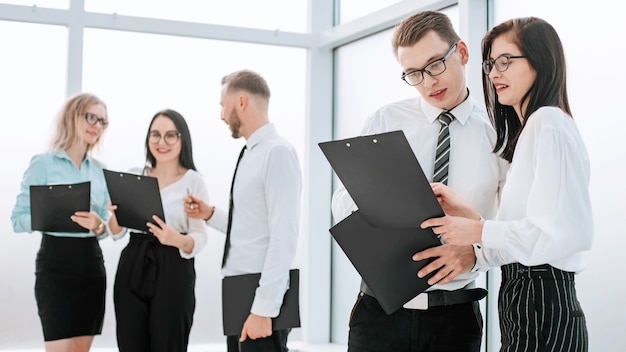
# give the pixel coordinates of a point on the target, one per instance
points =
(170, 137)
(93, 119)
(434, 68)
(501, 63)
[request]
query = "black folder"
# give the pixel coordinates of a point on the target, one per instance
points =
(386, 181)
(384, 178)
(383, 258)
(137, 197)
(237, 297)
(52, 205)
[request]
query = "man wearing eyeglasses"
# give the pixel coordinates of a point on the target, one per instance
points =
(453, 140)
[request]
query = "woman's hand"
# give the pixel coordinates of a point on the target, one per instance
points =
(89, 220)
(170, 237)
(452, 203)
(456, 230)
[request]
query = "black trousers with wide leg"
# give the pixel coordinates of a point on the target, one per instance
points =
(154, 297)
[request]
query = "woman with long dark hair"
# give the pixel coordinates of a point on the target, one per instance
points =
(544, 223)
(155, 282)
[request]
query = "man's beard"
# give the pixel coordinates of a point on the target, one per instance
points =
(234, 124)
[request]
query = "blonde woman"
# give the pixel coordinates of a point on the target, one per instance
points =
(70, 276)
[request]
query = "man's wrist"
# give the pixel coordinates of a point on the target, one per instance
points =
(211, 212)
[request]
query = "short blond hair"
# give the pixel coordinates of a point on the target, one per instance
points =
(248, 81)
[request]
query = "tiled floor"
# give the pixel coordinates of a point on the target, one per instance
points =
(293, 347)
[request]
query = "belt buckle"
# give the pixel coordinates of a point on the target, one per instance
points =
(419, 302)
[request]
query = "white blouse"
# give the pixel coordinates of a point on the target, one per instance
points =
(545, 210)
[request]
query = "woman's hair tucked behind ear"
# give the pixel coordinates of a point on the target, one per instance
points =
(539, 42)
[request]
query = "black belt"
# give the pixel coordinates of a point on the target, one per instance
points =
(440, 298)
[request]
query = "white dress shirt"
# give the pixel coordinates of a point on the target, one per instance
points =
(173, 208)
(545, 211)
(266, 217)
(475, 172)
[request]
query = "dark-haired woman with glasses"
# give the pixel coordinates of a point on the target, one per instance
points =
(155, 282)
(544, 223)
(70, 278)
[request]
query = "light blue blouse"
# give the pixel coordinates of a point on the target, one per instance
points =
(56, 167)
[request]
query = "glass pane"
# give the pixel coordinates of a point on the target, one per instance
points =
(54, 4)
(139, 74)
(283, 15)
(352, 9)
(32, 89)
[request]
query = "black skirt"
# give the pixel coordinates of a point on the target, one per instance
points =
(70, 287)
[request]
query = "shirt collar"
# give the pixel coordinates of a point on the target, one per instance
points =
(461, 112)
(62, 154)
(260, 134)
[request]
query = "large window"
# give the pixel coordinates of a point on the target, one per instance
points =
(32, 87)
(57, 4)
(352, 9)
(139, 74)
(279, 15)
(136, 74)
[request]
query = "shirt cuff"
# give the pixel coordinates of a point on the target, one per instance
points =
(104, 233)
(119, 235)
(265, 308)
(494, 234)
(480, 265)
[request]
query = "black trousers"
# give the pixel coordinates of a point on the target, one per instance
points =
(539, 310)
(277, 342)
(455, 328)
(154, 297)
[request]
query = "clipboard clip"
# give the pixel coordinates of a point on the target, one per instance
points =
(373, 141)
(138, 177)
(52, 186)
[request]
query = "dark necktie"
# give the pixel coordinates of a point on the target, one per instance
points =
(230, 209)
(442, 154)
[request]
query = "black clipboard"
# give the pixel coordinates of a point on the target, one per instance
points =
(388, 185)
(383, 258)
(52, 205)
(384, 178)
(237, 297)
(137, 197)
